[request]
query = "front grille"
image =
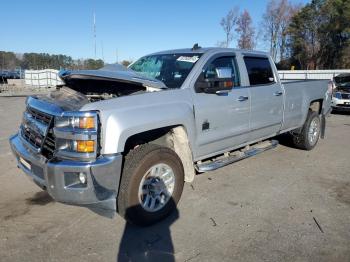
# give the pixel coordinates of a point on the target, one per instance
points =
(33, 138)
(46, 143)
(345, 96)
(49, 145)
(40, 116)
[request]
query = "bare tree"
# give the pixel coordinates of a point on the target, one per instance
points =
(246, 31)
(276, 19)
(289, 12)
(227, 23)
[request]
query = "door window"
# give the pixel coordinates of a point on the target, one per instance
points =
(223, 64)
(259, 70)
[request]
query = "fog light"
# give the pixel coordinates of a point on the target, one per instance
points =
(82, 178)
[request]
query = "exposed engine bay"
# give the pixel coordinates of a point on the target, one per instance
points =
(96, 90)
(98, 85)
(342, 83)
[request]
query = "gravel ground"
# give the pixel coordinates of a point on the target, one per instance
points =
(282, 205)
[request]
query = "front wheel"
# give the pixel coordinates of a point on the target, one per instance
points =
(151, 184)
(310, 133)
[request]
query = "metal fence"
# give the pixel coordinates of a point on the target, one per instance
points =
(42, 78)
(310, 74)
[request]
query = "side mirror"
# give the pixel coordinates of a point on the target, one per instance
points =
(219, 85)
(214, 85)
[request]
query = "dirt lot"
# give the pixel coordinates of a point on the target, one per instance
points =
(265, 208)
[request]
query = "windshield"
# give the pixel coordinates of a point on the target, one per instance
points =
(171, 69)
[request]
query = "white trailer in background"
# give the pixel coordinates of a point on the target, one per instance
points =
(310, 74)
(42, 78)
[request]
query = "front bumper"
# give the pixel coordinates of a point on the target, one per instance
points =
(61, 177)
(341, 104)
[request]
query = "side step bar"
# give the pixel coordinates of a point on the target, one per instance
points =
(232, 157)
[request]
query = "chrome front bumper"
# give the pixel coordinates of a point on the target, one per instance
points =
(341, 104)
(61, 177)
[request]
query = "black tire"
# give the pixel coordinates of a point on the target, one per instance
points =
(137, 162)
(302, 140)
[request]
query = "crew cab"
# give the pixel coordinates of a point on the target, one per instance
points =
(126, 139)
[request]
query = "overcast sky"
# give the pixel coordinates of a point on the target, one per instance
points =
(129, 28)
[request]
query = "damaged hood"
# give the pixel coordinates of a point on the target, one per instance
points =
(65, 99)
(115, 72)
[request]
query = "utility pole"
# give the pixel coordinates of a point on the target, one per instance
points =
(116, 53)
(95, 33)
(103, 56)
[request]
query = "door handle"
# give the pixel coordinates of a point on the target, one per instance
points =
(278, 93)
(242, 98)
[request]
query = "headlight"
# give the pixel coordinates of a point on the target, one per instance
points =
(77, 135)
(87, 122)
(82, 122)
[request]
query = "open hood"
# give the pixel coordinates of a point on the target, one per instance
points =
(84, 86)
(111, 73)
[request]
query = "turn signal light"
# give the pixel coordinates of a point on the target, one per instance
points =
(85, 146)
(87, 122)
(228, 84)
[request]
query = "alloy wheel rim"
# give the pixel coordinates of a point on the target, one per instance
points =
(156, 187)
(314, 131)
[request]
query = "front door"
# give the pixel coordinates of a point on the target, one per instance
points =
(222, 120)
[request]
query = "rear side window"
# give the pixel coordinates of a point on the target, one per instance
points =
(259, 70)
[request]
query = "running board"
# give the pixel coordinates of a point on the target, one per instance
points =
(232, 157)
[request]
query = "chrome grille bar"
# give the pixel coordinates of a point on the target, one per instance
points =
(37, 130)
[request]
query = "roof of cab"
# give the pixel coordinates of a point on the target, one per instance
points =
(202, 50)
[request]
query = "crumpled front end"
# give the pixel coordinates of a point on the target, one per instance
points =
(45, 152)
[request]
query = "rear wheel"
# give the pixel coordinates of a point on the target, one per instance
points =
(151, 184)
(310, 133)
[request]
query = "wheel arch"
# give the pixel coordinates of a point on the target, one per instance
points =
(174, 137)
(316, 105)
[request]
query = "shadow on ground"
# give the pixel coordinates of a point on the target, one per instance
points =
(344, 113)
(285, 140)
(152, 243)
(41, 198)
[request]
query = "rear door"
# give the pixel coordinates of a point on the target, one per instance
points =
(266, 98)
(222, 120)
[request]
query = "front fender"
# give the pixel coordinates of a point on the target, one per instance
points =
(119, 127)
(126, 116)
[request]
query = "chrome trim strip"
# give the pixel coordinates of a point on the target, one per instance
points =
(79, 113)
(74, 134)
(34, 125)
(69, 155)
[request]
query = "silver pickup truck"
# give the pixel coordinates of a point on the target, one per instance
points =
(126, 139)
